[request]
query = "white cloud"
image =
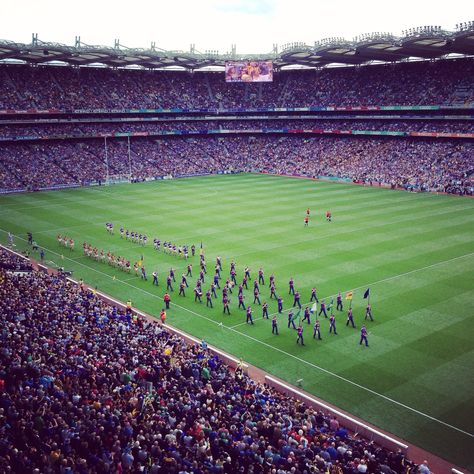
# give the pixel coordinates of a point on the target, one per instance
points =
(254, 26)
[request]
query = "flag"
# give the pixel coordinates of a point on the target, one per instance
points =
(296, 315)
(314, 308)
(349, 295)
(367, 293)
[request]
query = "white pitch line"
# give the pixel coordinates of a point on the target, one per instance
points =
(67, 228)
(128, 279)
(373, 392)
(369, 284)
(393, 277)
(322, 369)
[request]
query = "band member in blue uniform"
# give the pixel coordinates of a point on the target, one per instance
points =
(209, 298)
(350, 319)
(275, 325)
(291, 285)
(291, 321)
(197, 294)
(226, 303)
(261, 276)
(256, 297)
(299, 339)
(249, 315)
(368, 312)
(317, 330)
(306, 315)
(332, 324)
(241, 301)
(169, 286)
(322, 309)
(247, 273)
(339, 302)
(297, 299)
(363, 336)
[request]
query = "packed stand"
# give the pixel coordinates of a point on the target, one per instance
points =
(418, 83)
(88, 387)
(79, 130)
(12, 263)
(414, 164)
(33, 167)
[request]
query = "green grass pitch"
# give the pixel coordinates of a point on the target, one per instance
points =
(415, 252)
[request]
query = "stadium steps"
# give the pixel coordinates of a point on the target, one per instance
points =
(55, 81)
(284, 92)
(101, 159)
(246, 93)
(64, 169)
(209, 88)
(13, 173)
(59, 165)
(463, 94)
(10, 81)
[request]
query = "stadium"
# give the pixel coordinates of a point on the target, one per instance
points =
(233, 263)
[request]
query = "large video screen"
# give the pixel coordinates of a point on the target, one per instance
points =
(249, 71)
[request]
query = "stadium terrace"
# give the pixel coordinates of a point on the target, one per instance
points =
(89, 385)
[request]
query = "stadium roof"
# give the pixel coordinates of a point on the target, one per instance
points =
(423, 42)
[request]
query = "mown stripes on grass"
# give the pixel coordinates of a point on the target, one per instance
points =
(423, 317)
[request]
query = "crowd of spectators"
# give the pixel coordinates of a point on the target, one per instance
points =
(411, 163)
(420, 83)
(67, 129)
(87, 387)
(29, 165)
(12, 263)
(417, 165)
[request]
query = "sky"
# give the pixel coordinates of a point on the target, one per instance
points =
(254, 26)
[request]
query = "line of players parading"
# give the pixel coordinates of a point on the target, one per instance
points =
(325, 309)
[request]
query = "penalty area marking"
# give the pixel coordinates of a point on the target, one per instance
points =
(299, 359)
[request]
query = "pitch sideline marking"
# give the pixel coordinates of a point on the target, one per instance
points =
(322, 369)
